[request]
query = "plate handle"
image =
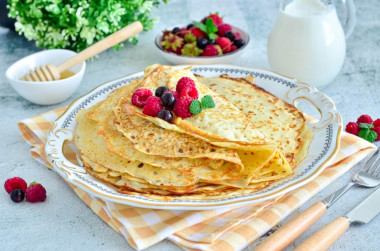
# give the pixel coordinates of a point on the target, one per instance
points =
(54, 151)
(324, 104)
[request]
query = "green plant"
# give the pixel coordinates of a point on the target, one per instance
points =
(76, 24)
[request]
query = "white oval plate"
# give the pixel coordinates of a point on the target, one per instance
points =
(323, 147)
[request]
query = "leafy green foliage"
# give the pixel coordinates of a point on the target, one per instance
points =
(367, 134)
(76, 24)
(208, 102)
(209, 28)
(195, 107)
(365, 125)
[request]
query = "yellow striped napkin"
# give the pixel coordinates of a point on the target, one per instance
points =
(221, 229)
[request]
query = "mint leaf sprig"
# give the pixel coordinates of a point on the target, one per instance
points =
(366, 132)
(208, 27)
(196, 106)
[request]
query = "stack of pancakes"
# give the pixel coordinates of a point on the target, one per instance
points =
(249, 140)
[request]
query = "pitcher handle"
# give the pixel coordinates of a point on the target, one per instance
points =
(350, 21)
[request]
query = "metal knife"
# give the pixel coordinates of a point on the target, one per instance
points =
(362, 213)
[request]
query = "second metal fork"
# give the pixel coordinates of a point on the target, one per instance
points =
(368, 176)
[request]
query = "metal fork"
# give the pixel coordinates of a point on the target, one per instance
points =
(367, 176)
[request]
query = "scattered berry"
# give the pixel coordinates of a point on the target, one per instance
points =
(176, 95)
(239, 42)
(172, 43)
(224, 43)
(190, 26)
(365, 119)
(237, 35)
(230, 35)
(15, 183)
(153, 106)
(197, 32)
(233, 48)
(17, 195)
(35, 193)
(352, 128)
(210, 51)
(216, 18)
(184, 82)
(376, 123)
(168, 99)
(160, 90)
(377, 131)
(223, 28)
(202, 42)
(195, 107)
(176, 30)
(189, 91)
(182, 107)
(140, 96)
(191, 50)
(165, 115)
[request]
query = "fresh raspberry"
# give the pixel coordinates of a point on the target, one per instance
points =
(153, 106)
(197, 32)
(210, 51)
(237, 35)
(365, 119)
(14, 183)
(140, 96)
(377, 130)
(233, 48)
(35, 193)
(189, 91)
(176, 95)
(352, 128)
(223, 28)
(184, 82)
(182, 107)
(216, 18)
(376, 123)
(224, 43)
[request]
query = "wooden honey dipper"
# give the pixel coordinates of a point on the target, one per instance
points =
(51, 72)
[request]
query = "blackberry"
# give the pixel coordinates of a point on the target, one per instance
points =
(202, 43)
(239, 43)
(160, 90)
(175, 30)
(230, 35)
(168, 99)
(190, 26)
(17, 195)
(165, 115)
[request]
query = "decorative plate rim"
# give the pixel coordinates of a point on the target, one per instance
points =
(331, 120)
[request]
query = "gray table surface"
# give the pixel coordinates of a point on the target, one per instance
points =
(65, 222)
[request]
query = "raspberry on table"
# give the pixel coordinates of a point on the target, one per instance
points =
(365, 119)
(15, 183)
(184, 82)
(376, 123)
(140, 96)
(153, 106)
(224, 43)
(223, 28)
(182, 107)
(189, 91)
(35, 193)
(352, 128)
(377, 130)
(210, 51)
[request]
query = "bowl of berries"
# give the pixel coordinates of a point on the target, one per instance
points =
(210, 41)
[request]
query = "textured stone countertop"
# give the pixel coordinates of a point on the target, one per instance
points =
(64, 222)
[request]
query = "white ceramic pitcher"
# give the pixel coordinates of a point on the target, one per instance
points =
(307, 41)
